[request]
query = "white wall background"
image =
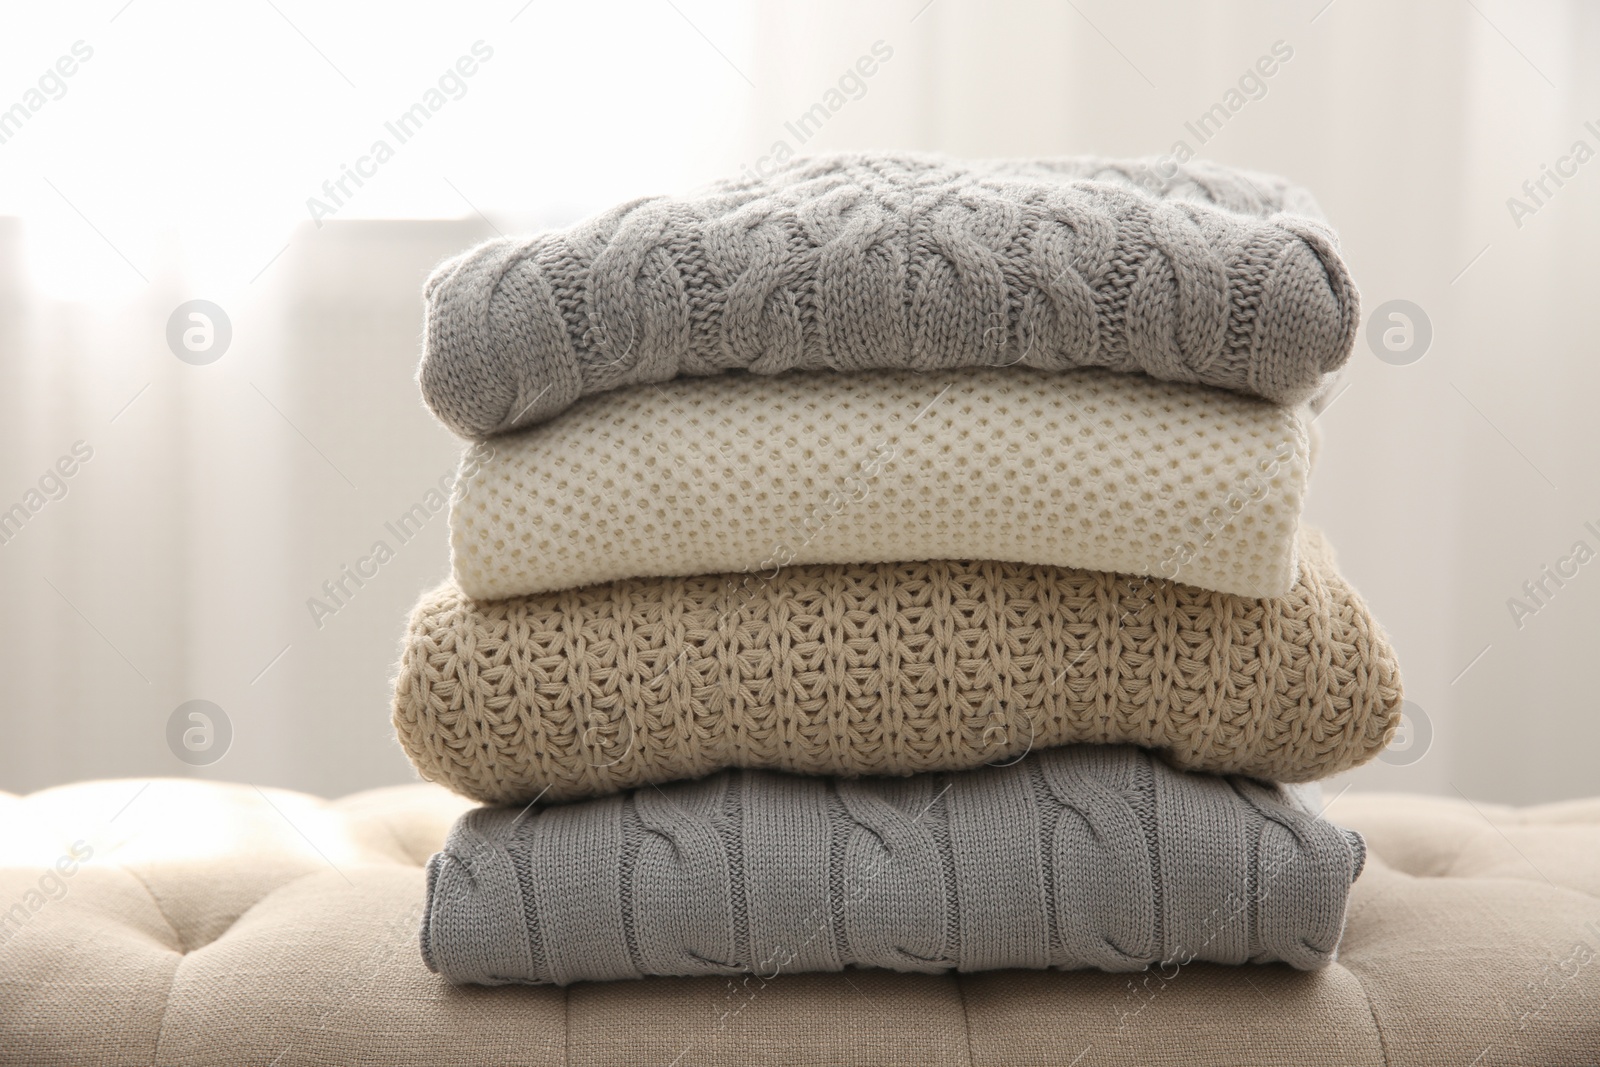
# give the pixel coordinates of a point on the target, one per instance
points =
(177, 161)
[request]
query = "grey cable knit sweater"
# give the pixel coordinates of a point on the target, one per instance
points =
(866, 262)
(1087, 856)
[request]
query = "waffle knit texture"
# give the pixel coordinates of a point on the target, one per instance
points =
(1080, 857)
(1092, 469)
(861, 262)
(886, 669)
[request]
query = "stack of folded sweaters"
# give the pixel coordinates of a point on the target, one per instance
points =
(893, 562)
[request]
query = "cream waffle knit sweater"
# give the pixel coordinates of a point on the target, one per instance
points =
(1089, 469)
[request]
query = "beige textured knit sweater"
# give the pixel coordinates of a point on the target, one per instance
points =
(1090, 469)
(894, 668)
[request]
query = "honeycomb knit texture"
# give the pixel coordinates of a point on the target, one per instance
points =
(1086, 856)
(1092, 469)
(886, 669)
(861, 262)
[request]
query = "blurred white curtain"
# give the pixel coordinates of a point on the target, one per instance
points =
(1444, 484)
(178, 564)
(218, 498)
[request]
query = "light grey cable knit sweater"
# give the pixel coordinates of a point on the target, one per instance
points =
(1087, 856)
(868, 262)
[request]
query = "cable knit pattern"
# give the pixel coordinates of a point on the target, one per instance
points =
(859, 262)
(1074, 858)
(1105, 471)
(893, 668)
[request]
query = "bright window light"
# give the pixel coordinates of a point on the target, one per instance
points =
(138, 139)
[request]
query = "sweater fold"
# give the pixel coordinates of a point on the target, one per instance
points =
(1077, 857)
(1089, 469)
(1196, 273)
(887, 669)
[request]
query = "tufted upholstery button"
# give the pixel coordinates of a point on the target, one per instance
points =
(203, 853)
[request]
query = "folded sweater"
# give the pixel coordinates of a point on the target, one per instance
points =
(1080, 857)
(856, 262)
(1092, 469)
(886, 669)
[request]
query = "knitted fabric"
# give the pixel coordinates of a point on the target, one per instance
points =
(1092, 469)
(1081, 857)
(893, 668)
(859, 262)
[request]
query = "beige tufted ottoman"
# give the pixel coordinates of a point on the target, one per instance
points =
(179, 922)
